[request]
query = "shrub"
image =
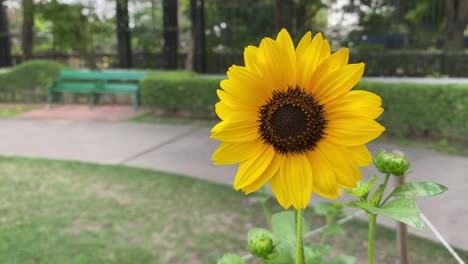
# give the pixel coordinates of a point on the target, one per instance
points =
(411, 110)
(180, 93)
(28, 82)
(423, 110)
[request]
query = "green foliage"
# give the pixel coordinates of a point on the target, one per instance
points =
(260, 242)
(416, 63)
(230, 259)
(434, 111)
(391, 163)
(180, 93)
(363, 188)
(28, 82)
(418, 189)
(401, 209)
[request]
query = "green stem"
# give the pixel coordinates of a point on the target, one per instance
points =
(370, 240)
(299, 241)
(267, 214)
(372, 225)
(387, 176)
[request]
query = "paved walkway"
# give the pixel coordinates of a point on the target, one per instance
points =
(84, 112)
(187, 150)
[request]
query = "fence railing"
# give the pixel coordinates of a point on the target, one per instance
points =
(378, 63)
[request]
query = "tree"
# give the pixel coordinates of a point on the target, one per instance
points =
(196, 57)
(5, 44)
(283, 14)
(171, 38)
(457, 20)
(27, 36)
(123, 34)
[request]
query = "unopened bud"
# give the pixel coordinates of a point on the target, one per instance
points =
(261, 244)
(391, 163)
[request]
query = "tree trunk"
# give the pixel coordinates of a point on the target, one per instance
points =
(123, 34)
(5, 44)
(27, 36)
(283, 15)
(171, 38)
(300, 17)
(457, 20)
(196, 59)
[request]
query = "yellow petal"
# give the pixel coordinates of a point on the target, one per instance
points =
(345, 167)
(275, 73)
(231, 153)
(315, 54)
(332, 63)
(300, 53)
(277, 184)
(250, 170)
(303, 45)
(265, 177)
(235, 131)
(225, 112)
(355, 103)
(296, 175)
(251, 57)
(352, 131)
(325, 183)
(245, 85)
(288, 55)
(338, 82)
(234, 102)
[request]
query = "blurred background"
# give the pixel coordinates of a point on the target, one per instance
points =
(424, 38)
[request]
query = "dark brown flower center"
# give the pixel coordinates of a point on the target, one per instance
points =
(292, 121)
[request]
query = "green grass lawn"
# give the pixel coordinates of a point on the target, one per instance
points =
(12, 110)
(70, 212)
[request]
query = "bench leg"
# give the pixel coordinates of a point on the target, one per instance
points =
(91, 100)
(136, 101)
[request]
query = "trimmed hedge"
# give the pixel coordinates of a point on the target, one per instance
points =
(28, 82)
(423, 111)
(185, 93)
(411, 110)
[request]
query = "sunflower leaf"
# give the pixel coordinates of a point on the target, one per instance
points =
(315, 253)
(284, 232)
(402, 209)
(419, 189)
(362, 204)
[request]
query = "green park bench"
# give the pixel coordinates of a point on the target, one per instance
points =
(96, 83)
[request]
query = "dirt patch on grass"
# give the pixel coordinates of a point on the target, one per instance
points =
(115, 193)
(83, 224)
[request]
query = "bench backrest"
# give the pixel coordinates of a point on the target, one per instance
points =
(101, 76)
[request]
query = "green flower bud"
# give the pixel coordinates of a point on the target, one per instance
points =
(261, 244)
(230, 259)
(391, 163)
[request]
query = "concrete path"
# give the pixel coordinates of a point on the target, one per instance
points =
(83, 112)
(187, 150)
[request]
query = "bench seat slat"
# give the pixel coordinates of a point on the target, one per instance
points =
(95, 83)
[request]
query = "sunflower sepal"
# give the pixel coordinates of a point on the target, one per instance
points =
(363, 188)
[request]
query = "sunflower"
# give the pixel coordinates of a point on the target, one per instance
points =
(290, 118)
